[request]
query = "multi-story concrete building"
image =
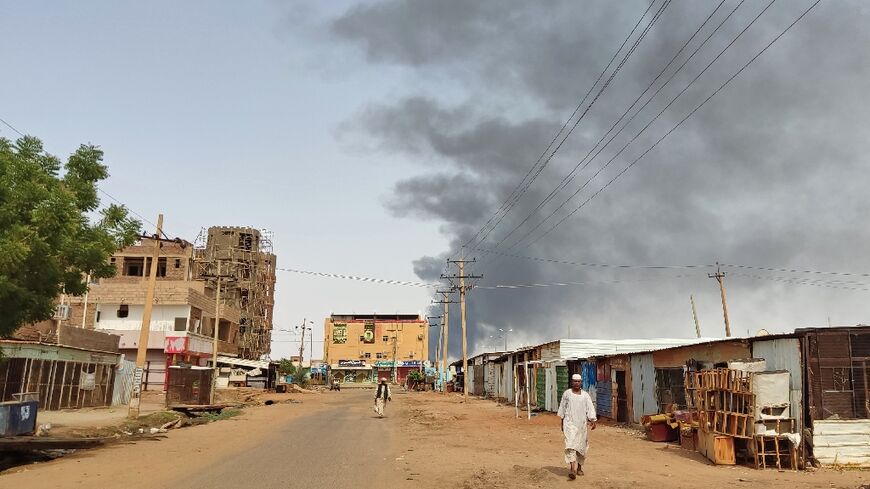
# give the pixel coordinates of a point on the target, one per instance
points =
(364, 347)
(243, 257)
(182, 316)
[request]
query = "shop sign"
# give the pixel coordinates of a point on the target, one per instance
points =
(384, 363)
(339, 333)
(410, 363)
(351, 363)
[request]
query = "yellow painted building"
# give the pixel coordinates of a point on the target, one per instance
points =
(361, 348)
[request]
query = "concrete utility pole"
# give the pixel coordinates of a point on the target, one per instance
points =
(142, 350)
(217, 327)
(720, 277)
(463, 289)
(695, 315)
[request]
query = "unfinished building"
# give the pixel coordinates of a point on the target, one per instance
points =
(243, 260)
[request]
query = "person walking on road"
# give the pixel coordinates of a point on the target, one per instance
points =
(578, 414)
(382, 396)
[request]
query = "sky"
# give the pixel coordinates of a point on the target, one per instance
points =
(376, 138)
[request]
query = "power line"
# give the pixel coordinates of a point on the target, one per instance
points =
(597, 265)
(796, 270)
(684, 119)
(10, 126)
(522, 187)
(580, 166)
(361, 279)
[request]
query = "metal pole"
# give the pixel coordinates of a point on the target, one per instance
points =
(446, 368)
(142, 350)
(695, 315)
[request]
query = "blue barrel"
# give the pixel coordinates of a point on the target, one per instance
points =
(18, 418)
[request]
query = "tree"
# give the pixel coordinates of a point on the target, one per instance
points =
(286, 367)
(48, 242)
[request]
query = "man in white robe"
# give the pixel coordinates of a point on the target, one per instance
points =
(382, 395)
(577, 413)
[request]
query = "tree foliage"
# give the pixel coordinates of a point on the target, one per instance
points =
(51, 232)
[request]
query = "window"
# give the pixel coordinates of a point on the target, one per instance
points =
(180, 324)
(134, 267)
(177, 263)
(379, 355)
(385, 338)
(362, 338)
(368, 355)
(161, 267)
(123, 311)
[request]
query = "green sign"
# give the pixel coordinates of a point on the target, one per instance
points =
(339, 334)
(369, 334)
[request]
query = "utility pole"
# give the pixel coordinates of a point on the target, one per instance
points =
(695, 315)
(463, 289)
(217, 327)
(720, 277)
(302, 341)
(445, 299)
(142, 350)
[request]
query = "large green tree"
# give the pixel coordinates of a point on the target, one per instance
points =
(51, 232)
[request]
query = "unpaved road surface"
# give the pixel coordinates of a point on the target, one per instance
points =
(328, 441)
(427, 440)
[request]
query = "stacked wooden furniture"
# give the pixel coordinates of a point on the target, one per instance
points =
(725, 404)
(775, 443)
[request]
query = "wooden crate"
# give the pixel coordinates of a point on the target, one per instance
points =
(719, 449)
(775, 451)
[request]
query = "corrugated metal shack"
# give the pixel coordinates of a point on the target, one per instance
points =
(836, 369)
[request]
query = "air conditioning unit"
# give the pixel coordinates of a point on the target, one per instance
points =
(61, 312)
(420, 337)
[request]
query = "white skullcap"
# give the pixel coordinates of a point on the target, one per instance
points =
(576, 377)
(383, 379)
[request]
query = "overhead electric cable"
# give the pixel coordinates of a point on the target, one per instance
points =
(520, 189)
(684, 119)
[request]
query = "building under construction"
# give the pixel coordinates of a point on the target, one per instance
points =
(241, 259)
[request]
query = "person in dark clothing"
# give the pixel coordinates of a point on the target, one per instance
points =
(382, 396)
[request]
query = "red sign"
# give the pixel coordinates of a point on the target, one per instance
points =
(176, 344)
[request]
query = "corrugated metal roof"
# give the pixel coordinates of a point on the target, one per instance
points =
(586, 348)
(244, 363)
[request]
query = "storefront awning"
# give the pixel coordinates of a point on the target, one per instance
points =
(239, 362)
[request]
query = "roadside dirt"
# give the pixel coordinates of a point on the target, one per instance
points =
(482, 445)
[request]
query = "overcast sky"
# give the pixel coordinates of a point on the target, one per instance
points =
(374, 138)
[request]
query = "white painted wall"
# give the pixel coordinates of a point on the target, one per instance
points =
(162, 317)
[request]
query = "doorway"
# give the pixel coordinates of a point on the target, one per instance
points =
(621, 397)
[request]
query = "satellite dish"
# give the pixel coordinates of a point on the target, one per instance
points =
(762, 332)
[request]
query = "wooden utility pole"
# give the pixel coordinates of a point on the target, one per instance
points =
(302, 341)
(142, 350)
(464, 330)
(445, 333)
(463, 289)
(720, 277)
(695, 315)
(217, 327)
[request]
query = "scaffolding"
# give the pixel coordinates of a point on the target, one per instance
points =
(247, 264)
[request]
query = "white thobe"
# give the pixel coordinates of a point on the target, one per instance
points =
(576, 410)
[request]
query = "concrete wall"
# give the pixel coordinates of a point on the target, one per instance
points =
(162, 317)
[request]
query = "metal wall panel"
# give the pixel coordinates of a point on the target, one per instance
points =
(842, 442)
(785, 354)
(643, 386)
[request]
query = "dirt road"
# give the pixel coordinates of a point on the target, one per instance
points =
(333, 440)
(329, 440)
